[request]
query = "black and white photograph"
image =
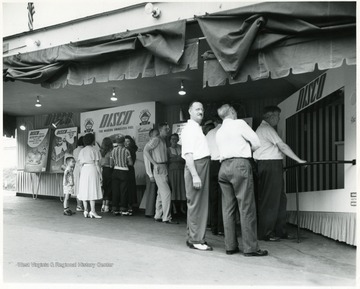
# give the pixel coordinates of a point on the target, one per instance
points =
(179, 144)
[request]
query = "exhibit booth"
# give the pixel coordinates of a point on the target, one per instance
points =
(319, 123)
(299, 57)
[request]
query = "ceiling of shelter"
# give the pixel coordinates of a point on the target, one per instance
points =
(19, 97)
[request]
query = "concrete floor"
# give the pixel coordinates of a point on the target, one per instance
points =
(136, 250)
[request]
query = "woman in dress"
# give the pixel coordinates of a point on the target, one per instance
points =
(105, 151)
(90, 176)
(132, 147)
(176, 174)
(79, 147)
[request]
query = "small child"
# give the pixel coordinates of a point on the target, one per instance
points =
(68, 183)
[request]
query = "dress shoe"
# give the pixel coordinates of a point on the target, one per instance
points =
(230, 252)
(79, 209)
(258, 253)
(158, 220)
(171, 222)
(96, 216)
(86, 214)
(272, 239)
(201, 247)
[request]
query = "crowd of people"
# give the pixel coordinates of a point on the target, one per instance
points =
(211, 174)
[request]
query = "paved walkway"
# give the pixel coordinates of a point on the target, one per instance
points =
(41, 245)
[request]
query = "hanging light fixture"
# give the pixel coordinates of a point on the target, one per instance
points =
(55, 124)
(37, 104)
(182, 89)
(113, 97)
(25, 125)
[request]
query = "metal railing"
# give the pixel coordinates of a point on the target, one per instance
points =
(297, 166)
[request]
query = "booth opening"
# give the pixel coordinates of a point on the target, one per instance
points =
(317, 134)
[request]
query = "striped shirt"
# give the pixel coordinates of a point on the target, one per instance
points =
(120, 155)
(158, 149)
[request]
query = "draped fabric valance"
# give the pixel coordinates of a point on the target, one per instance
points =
(272, 38)
(158, 50)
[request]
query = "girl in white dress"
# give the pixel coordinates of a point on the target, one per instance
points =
(90, 176)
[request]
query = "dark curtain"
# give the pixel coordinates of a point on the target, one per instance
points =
(164, 42)
(237, 34)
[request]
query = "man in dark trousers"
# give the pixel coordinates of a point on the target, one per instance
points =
(271, 195)
(196, 153)
(236, 140)
(216, 220)
(120, 159)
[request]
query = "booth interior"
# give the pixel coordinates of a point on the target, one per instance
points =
(311, 78)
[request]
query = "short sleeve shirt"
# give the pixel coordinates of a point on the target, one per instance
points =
(194, 141)
(234, 138)
(158, 149)
(268, 140)
(120, 156)
(89, 155)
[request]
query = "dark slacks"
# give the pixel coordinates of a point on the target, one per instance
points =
(106, 183)
(132, 186)
(197, 202)
(150, 190)
(272, 199)
(120, 192)
(216, 218)
(236, 181)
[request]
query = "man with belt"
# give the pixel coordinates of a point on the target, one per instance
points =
(196, 153)
(120, 159)
(216, 220)
(236, 140)
(271, 197)
(150, 191)
(156, 152)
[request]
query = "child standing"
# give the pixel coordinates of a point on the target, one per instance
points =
(68, 183)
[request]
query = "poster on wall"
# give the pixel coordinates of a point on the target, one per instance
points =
(142, 136)
(37, 150)
(114, 122)
(63, 143)
(177, 128)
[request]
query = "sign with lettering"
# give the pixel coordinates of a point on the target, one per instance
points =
(63, 143)
(119, 121)
(37, 150)
(311, 93)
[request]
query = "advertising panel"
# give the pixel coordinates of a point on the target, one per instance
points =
(131, 120)
(63, 143)
(37, 150)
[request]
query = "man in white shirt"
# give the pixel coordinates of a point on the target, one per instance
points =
(236, 140)
(216, 220)
(271, 195)
(196, 153)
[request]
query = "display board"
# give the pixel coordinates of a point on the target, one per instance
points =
(63, 143)
(135, 120)
(177, 128)
(37, 150)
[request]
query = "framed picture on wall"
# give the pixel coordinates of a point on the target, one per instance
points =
(37, 150)
(63, 143)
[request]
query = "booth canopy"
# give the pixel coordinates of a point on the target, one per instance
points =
(273, 38)
(155, 51)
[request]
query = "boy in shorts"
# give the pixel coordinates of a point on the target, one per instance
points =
(68, 183)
